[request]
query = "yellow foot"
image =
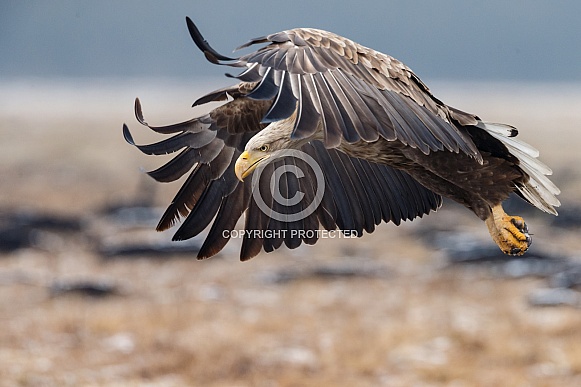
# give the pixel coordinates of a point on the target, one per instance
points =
(510, 233)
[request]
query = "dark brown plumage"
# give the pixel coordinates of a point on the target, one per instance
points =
(386, 146)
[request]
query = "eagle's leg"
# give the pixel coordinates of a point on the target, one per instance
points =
(510, 233)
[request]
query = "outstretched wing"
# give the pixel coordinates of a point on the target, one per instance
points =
(359, 194)
(357, 93)
(326, 78)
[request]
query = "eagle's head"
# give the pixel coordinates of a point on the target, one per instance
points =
(265, 144)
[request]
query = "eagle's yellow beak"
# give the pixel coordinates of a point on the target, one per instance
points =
(247, 162)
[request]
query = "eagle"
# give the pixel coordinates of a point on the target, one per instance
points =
(345, 136)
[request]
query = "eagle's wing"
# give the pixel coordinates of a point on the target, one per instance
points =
(359, 194)
(357, 92)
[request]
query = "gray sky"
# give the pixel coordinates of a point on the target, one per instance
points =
(530, 40)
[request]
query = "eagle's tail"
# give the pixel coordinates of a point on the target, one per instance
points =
(538, 190)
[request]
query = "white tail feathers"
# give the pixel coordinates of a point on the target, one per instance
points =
(539, 190)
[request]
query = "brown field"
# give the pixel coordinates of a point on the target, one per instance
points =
(180, 322)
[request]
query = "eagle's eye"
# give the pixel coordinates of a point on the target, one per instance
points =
(263, 148)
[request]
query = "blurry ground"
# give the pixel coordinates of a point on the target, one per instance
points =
(387, 309)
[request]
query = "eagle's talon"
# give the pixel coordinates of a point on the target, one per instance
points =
(519, 224)
(515, 251)
(510, 233)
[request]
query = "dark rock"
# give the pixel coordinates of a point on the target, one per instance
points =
(19, 229)
(326, 272)
(127, 230)
(50, 222)
(94, 289)
(461, 247)
(157, 249)
(132, 215)
(14, 238)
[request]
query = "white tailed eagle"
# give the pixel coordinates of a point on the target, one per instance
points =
(387, 150)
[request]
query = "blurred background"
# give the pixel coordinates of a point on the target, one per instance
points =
(450, 39)
(90, 294)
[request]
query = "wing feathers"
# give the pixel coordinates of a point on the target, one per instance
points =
(342, 80)
(285, 103)
(358, 194)
(231, 209)
(308, 110)
(203, 44)
(176, 167)
(334, 124)
(201, 214)
(267, 89)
